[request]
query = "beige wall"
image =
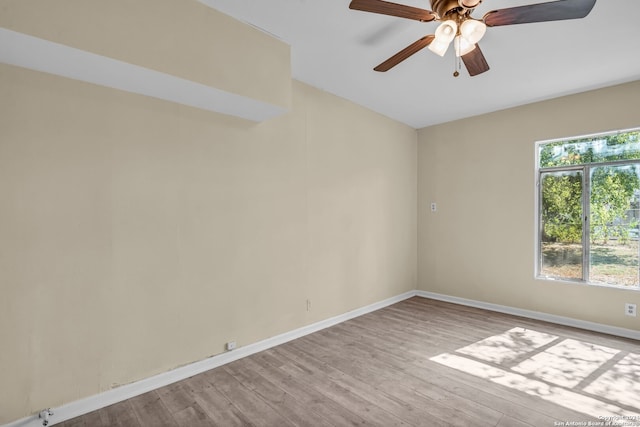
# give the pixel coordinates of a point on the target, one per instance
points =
(480, 243)
(137, 235)
(182, 38)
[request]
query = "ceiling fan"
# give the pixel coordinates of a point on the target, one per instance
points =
(465, 32)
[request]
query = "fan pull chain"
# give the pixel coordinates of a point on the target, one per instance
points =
(456, 65)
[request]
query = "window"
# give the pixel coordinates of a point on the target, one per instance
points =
(588, 203)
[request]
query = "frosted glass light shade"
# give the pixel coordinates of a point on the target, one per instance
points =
(463, 46)
(473, 30)
(439, 47)
(446, 31)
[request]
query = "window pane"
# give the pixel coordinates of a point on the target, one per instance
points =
(604, 148)
(561, 225)
(614, 218)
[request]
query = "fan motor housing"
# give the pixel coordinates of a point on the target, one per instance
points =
(444, 7)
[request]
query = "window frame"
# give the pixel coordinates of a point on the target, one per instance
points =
(585, 169)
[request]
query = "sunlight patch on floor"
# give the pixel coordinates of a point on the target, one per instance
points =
(507, 346)
(568, 363)
(558, 395)
(620, 383)
(577, 375)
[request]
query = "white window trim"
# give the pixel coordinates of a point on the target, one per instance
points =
(537, 200)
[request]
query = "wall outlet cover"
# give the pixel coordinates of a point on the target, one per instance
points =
(630, 309)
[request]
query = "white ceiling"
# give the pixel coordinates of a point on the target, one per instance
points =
(335, 49)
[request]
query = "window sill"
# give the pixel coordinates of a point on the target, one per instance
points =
(589, 284)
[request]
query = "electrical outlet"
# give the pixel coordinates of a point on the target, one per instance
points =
(231, 345)
(308, 305)
(630, 309)
(434, 207)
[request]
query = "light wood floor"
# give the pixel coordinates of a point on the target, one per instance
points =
(376, 370)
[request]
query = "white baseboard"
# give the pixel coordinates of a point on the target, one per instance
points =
(92, 403)
(560, 320)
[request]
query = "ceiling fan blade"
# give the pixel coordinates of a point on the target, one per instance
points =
(475, 62)
(393, 9)
(541, 12)
(405, 53)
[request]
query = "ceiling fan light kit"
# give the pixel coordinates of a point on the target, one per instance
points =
(458, 26)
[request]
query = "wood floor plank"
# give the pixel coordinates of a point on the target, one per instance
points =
(75, 422)
(218, 408)
(151, 412)
(304, 391)
(120, 415)
(286, 404)
(513, 398)
(345, 395)
(176, 397)
(377, 369)
(95, 419)
(193, 416)
(385, 369)
(507, 421)
(507, 402)
(413, 410)
(250, 404)
(438, 411)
